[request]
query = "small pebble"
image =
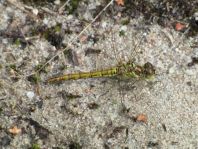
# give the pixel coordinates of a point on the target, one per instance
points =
(30, 94)
(45, 21)
(172, 70)
(57, 2)
(35, 11)
(123, 28)
(104, 24)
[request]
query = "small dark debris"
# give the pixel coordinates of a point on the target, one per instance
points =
(91, 51)
(124, 109)
(73, 96)
(93, 38)
(34, 78)
(63, 94)
(1, 111)
(41, 131)
(72, 56)
(68, 96)
(93, 106)
(31, 108)
(92, 86)
(54, 34)
(5, 141)
(193, 62)
(174, 142)
(164, 127)
(152, 144)
(56, 58)
(117, 130)
(55, 39)
(122, 33)
(189, 83)
(73, 5)
(38, 30)
(39, 103)
(23, 64)
(127, 132)
(15, 37)
(193, 26)
(75, 145)
(106, 146)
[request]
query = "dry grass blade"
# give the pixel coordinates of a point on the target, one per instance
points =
(71, 41)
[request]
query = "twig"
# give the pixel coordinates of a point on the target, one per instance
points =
(61, 8)
(71, 41)
(22, 8)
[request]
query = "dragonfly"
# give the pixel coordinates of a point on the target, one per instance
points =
(122, 70)
(128, 70)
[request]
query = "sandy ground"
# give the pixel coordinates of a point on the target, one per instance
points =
(97, 113)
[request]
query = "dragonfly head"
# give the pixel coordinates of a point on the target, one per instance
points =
(136, 71)
(149, 70)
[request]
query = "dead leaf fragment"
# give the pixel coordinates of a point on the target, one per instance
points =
(120, 2)
(180, 26)
(141, 118)
(15, 130)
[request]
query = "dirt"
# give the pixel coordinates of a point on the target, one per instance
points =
(38, 40)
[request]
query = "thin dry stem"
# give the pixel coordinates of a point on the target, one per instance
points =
(72, 40)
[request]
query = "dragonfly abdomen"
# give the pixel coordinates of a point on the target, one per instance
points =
(83, 75)
(129, 70)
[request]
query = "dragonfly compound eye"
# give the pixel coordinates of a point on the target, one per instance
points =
(149, 69)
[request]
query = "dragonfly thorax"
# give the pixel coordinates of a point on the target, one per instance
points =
(131, 70)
